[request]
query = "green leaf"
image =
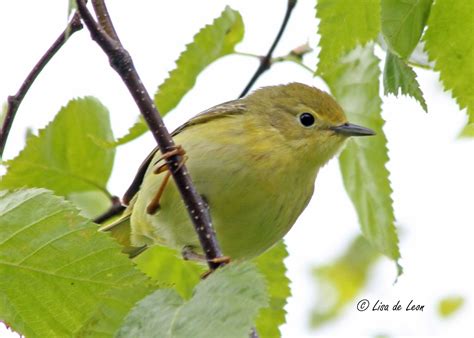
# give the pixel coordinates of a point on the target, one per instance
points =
(354, 82)
(403, 22)
(57, 269)
(468, 130)
(65, 157)
(398, 76)
(212, 42)
(223, 305)
(139, 128)
(29, 132)
(450, 305)
(340, 281)
(450, 43)
(165, 266)
(343, 26)
(209, 44)
(91, 203)
(271, 265)
(154, 316)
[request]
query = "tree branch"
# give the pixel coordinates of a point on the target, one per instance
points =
(265, 62)
(14, 101)
(103, 16)
(122, 63)
(115, 209)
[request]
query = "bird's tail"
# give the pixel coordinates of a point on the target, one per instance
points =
(120, 229)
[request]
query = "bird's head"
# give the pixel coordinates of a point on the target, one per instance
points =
(307, 119)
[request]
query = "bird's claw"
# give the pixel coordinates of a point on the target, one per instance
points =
(176, 150)
(154, 205)
(220, 260)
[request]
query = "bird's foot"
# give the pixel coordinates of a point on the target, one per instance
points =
(176, 150)
(154, 205)
(221, 260)
(206, 274)
(218, 260)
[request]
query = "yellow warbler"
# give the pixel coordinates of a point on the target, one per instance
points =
(254, 160)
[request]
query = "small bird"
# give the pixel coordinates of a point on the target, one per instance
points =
(255, 162)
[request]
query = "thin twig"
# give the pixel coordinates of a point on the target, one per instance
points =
(103, 17)
(115, 209)
(122, 63)
(265, 62)
(295, 56)
(14, 101)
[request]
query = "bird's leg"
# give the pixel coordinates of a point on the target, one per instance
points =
(154, 205)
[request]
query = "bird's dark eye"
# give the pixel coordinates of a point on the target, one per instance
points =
(307, 119)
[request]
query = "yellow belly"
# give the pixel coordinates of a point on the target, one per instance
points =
(253, 201)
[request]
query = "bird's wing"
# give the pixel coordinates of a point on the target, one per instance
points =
(121, 227)
(225, 109)
(138, 179)
(222, 110)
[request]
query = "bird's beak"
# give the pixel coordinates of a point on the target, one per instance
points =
(350, 129)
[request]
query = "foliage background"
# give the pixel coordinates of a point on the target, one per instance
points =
(431, 170)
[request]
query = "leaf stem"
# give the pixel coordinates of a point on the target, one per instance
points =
(294, 60)
(14, 101)
(295, 56)
(265, 62)
(419, 65)
(248, 54)
(122, 63)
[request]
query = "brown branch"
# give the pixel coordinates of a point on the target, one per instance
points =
(265, 62)
(103, 17)
(14, 101)
(115, 209)
(122, 63)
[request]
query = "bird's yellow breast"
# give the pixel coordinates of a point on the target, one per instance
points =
(248, 176)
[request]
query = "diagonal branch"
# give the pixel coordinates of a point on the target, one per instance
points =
(103, 17)
(14, 101)
(265, 62)
(122, 63)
